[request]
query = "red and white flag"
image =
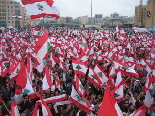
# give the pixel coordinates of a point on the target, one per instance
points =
(139, 112)
(79, 101)
(17, 16)
(14, 109)
(47, 82)
(41, 8)
(42, 47)
(79, 67)
(109, 103)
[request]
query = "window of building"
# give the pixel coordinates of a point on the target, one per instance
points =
(3, 10)
(16, 6)
(2, 23)
(11, 6)
(3, 2)
(15, 2)
(8, 21)
(8, 18)
(8, 6)
(17, 12)
(10, 2)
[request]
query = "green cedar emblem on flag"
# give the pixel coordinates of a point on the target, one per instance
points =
(17, 71)
(93, 77)
(79, 99)
(25, 91)
(151, 92)
(124, 68)
(78, 67)
(81, 87)
(39, 33)
(83, 44)
(48, 47)
(100, 74)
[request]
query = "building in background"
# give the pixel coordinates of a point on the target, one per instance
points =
(150, 13)
(98, 19)
(84, 20)
(7, 9)
(140, 15)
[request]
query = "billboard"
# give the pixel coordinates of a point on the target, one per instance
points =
(148, 14)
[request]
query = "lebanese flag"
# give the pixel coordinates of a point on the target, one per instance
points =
(37, 33)
(126, 70)
(149, 93)
(45, 109)
(83, 58)
(102, 76)
(79, 86)
(41, 66)
(14, 109)
(24, 83)
(42, 47)
(47, 82)
(139, 112)
(4, 70)
(118, 91)
(17, 16)
(93, 77)
(84, 45)
(14, 70)
(18, 95)
(53, 60)
(79, 67)
(109, 104)
(30, 69)
(79, 101)
(40, 8)
(55, 99)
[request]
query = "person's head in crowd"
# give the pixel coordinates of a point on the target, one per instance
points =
(127, 96)
(126, 103)
(23, 114)
(56, 66)
(57, 92)
(44, 95)
(64, 70)
(69, 112)
(52, 93)
(49, 106)
(48, 91)
(82, 113)
(25, 98)
(99, 97)
(39, 82)
(136, 94)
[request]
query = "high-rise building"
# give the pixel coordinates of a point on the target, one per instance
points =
(150, 13)
(140, 15)
(7, 9)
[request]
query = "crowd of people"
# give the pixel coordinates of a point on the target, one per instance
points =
(124, 59)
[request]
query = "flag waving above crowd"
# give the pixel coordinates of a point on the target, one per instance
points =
(41, 8)
(55, 71)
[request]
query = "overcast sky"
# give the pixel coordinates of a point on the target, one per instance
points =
(75, 8)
